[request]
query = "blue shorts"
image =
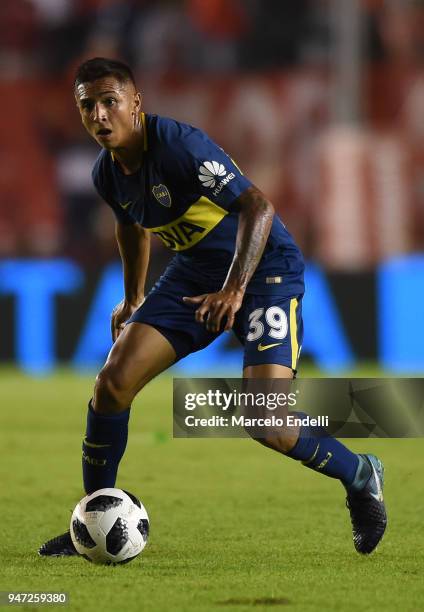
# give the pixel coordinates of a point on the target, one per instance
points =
(269, 327)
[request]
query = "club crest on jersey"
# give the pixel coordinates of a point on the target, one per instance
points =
(162, 195)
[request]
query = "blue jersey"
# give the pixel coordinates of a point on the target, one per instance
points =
(185, 193)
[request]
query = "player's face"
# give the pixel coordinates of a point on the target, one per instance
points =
(109, 111)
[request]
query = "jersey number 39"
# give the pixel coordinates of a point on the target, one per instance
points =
(275, 317)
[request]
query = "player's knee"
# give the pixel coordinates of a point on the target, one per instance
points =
(112, 393)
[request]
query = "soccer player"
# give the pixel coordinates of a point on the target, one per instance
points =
(236, 267)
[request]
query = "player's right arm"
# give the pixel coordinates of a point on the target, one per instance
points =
(134, 248)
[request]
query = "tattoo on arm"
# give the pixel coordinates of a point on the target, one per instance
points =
(255, 220)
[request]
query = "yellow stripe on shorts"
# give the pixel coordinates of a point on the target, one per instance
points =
(293, 332)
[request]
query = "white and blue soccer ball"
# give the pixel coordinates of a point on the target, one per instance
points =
(109, 526)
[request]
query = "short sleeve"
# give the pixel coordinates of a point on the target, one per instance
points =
(100, 181)
(204, 168)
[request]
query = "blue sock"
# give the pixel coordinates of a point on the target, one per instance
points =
(317, 450)
(102, 448)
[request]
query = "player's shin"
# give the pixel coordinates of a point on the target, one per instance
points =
(317, 450)
(102, 448)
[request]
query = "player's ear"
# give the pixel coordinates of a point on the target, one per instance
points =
(137, 109)
(137, 102)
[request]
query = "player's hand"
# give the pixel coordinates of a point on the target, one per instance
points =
(217, 308)
(120, 315)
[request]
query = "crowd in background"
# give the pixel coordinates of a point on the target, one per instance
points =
(258, 75)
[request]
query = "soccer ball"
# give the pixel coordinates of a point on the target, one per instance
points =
(109, 526)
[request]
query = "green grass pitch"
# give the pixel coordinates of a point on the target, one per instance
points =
(234, 526)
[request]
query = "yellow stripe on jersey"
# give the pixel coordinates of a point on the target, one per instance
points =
(189, 229)
(293, 332)
(236, 165)
(143, 122)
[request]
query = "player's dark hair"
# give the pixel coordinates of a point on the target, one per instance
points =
(100, 67)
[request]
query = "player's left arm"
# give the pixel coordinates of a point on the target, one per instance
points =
(255, 220)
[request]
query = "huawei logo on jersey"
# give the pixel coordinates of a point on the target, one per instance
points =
(209, 173)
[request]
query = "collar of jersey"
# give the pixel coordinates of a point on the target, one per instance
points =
(143, 123)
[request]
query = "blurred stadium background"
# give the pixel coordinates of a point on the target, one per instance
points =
(319, 101)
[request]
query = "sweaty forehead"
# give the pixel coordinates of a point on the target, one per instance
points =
(101, 86)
